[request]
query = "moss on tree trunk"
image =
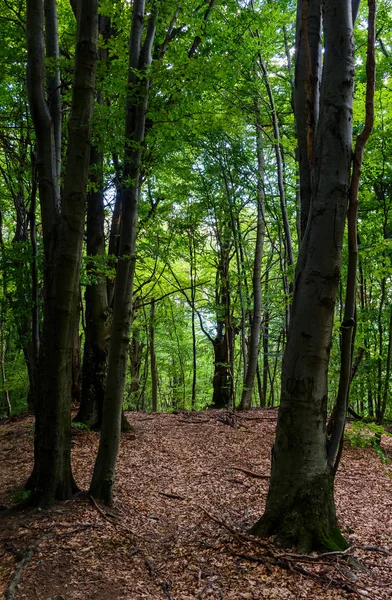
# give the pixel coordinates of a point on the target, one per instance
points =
(304, 517)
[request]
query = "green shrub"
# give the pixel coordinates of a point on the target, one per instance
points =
(366, 435)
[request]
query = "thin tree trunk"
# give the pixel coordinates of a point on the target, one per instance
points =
(53, 80)
(139, 58)
(3, 352)
(254, 338)
(153, 359)
(348, 325)
(193, 277)
(306, 99)
(35, 312)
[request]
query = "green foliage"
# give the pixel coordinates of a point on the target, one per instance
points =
(20, 496)
(79, 426)
(366, 435)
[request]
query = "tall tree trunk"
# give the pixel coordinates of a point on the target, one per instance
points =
(97, 313)
(153, 359)
(349, 320)
(306, 99)
(136, 356)
(53, 80)
(139, 58)
(193, 278)
(223, 384)
(254, 338)
(300, 507)
(63, 235)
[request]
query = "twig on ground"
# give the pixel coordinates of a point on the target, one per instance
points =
(174, 496)
(375, 549)
(101, 512)
(317, 557)
(251, 473)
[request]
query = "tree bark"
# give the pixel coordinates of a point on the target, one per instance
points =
(254, 338)
(348, 325)
(300, 506)
(63, 235)
(139, 58)
(306, 99)
(153, 359)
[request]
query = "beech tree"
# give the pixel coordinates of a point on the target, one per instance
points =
(300, 506)
(63, 226)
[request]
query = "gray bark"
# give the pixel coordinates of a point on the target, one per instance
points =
(300, 507)
(254, 338)
(306, 98)
(53, 80)
(52, 477)
(139, 58)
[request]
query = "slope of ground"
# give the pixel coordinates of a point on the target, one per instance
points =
(187, 491)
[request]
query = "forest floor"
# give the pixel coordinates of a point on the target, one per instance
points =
(188, 488)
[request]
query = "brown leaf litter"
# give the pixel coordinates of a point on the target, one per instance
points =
(188, 487)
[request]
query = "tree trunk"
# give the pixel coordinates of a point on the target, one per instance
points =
(135, 357)
(300, 506)
(98, 313)
(139, 58)
(254, 338)
(153, 359)
(63, 235)
(306, 99)
(222, 382)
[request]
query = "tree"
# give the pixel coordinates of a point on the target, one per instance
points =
(63, 225)
(138, 84)
(300, 506)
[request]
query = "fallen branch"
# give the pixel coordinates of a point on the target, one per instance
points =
(101, 512)
(337, 553)
(289, 565)
(27, 555)
(174, 496)
(193, 422)
(238, 534)
(251, 473)
(375, 549)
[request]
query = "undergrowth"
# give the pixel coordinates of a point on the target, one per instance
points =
(366, 435)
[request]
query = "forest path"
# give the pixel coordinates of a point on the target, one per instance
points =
(179, 475)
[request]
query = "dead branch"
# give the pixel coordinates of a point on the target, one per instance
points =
(174, 496)
(375, 549)
(193, 421)
(251, 473)
(101, 512)
(289, 565)
(337, 553)
(27, 555)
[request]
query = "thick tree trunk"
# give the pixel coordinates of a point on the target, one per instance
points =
(52, 477)
(300, 506)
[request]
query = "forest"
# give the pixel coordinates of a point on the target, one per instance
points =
(195, 299)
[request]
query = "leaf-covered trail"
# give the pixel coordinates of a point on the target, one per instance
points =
(187, 491)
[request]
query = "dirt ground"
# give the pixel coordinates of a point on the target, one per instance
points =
(187, 491)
